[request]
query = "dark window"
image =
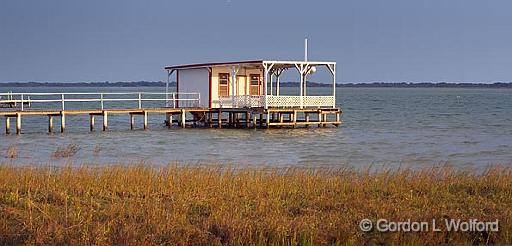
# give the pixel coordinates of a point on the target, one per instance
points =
(255, 84)
(223, 84)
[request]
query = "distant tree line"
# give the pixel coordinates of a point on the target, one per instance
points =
(282, 84)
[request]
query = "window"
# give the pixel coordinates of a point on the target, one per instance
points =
(255, 84)
(223, 84)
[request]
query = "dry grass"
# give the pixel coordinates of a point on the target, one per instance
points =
(213, 205)
(97, 150)
(66, 152)
(12, 152)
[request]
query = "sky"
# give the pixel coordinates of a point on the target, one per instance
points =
(371, 40)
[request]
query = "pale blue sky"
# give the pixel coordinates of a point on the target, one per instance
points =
(380, 40)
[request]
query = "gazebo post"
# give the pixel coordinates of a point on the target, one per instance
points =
(234, 86)
(265, 84)
(278, 75)
(333, 72)
(301, 71)
(334, 85)
(271, 90)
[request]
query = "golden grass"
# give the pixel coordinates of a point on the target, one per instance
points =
(12, 152)
(65, 152)
(214, 205)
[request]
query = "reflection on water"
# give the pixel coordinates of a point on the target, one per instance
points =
(381, 126)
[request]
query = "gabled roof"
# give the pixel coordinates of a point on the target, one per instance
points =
(213, 64)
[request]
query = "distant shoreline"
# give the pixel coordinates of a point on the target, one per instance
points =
(283, 84)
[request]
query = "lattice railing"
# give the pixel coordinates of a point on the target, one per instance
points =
(283, 101)
(295, 101)
(246, 101)
(243, 101)
(318, 101)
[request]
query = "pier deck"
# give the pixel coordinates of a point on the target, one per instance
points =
(191, 117)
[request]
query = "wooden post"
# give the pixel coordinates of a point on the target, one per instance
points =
(337, 118)
(132, 121)
(281, 117)
(294, 117)
(91, 122)
(320, 118)
(18, 123)
(210, 119)
(268, 120)
(62, 121)
(183, 118)
(254, 120)
(306, 116)
(7, 125)
(105, 120)
(219, 118)
(261, 120)
(145, 120)
(247, 119)
(169, 118)
(50, 123)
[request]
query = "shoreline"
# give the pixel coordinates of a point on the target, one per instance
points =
(500, 85)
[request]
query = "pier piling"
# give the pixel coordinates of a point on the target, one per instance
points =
(306, 118)
(18, 123)
(132, 121)
(62, 121)
(294, 116)
(145, 115)
(50, 123)
(268, 120)
(183, 118)
(105, 120)
(7, 125)
(254, 121)
(219, 118)
(91, 122)
(168, 118)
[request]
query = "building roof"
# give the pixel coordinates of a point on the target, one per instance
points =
(250, 62)
(213, 64)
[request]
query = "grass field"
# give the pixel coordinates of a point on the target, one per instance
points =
(142, 204)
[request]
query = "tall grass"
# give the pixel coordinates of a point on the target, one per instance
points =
(214, 205)
(65, 152)
(12, 152)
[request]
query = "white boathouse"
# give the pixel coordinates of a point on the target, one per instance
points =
(251, 84)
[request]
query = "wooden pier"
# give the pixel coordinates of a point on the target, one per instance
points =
(190, 117)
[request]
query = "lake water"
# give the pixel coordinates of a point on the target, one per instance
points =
(381, 126)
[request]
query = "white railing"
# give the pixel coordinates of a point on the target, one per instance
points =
(300, 101)
(244, 101)
(99, 100)
(247, 101)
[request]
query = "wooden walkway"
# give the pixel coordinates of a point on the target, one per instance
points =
(193, 117)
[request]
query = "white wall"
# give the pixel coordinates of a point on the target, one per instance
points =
(243, 83)
(195, 80)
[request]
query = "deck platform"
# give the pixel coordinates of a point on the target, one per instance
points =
(191, 117)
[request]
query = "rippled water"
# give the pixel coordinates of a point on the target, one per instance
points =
(381, 126)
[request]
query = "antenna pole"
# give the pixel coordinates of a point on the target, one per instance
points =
(305, 49)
